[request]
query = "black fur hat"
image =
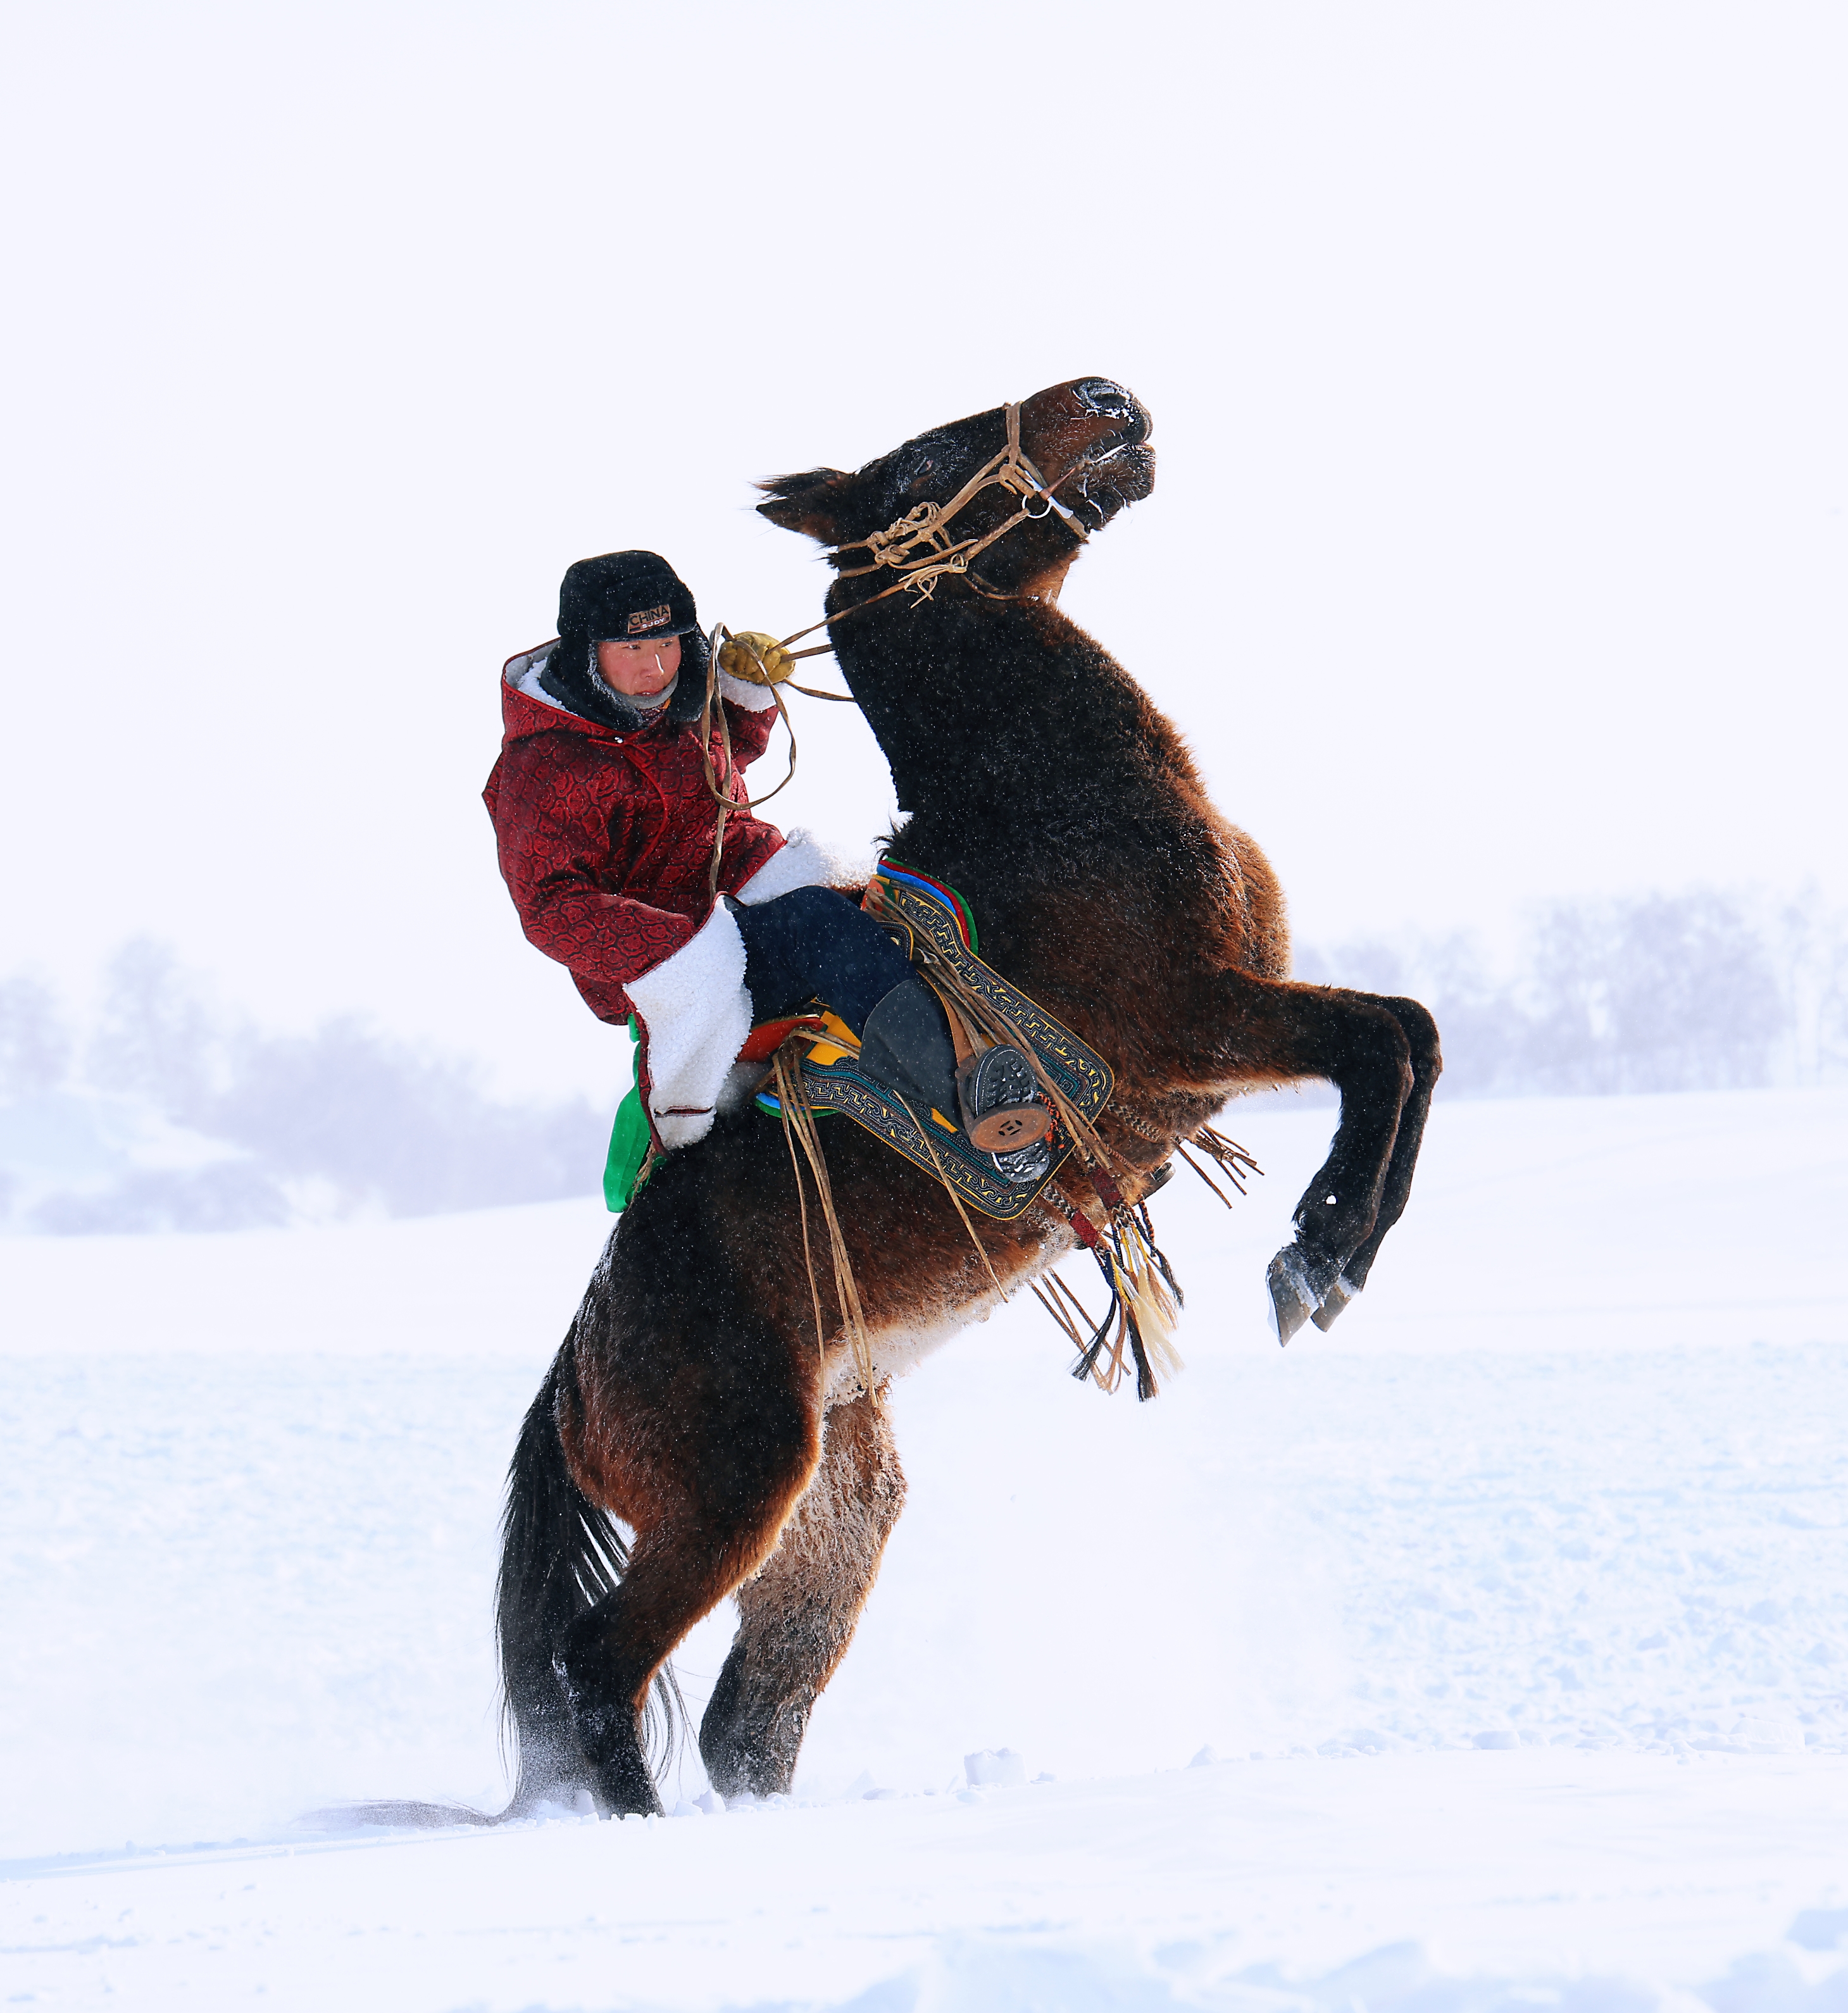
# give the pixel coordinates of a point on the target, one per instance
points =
(632, 597)
(628, 596)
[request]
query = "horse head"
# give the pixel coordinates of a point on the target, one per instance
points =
(1078, 455)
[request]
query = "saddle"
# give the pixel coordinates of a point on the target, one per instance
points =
(933, 925)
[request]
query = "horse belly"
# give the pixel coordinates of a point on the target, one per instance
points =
(897, 1349)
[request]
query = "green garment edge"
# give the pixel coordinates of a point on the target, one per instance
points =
(628, 1139)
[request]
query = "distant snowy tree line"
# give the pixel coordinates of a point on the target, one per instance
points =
(173, 1116)
(164, 1113)
(1700, 991)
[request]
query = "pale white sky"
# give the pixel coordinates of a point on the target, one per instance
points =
(1495, 354)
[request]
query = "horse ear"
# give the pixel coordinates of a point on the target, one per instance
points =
(802, 502)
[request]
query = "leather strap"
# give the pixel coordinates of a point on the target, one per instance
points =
(918, 545)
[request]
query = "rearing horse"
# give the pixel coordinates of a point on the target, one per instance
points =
(693, 1398)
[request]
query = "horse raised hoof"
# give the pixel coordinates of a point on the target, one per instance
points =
(1339, 1295)
(1299, 1286)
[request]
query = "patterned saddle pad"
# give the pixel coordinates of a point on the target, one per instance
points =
(834, 1081)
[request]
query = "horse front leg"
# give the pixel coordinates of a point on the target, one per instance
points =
(1275, 1031)
(1428, 1064)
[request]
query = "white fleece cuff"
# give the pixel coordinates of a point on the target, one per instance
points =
(804, 861)
(753, 699)
(696, 1015)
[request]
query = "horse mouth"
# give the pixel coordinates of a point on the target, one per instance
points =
(1112, 445)
(1117, 471)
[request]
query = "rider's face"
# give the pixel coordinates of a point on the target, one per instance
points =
(641, 670)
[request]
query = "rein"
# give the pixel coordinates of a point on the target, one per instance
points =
(726, 802)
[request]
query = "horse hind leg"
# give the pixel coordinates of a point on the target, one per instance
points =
(798, 1615)
(560, 1555)
(1427, 1063)
(714, 1490)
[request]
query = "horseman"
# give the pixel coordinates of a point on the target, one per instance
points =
(607, 825)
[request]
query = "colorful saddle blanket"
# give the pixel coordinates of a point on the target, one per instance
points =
(934, 913)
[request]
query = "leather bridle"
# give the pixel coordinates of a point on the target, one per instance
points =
(919, 546)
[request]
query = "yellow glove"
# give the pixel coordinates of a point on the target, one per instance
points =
(759, 659)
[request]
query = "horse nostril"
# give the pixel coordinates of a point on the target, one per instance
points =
(1100, 394)
(1109, 400)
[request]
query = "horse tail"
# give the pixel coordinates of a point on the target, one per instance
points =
(560, 1555)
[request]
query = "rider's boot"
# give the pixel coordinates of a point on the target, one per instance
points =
(905, 1043)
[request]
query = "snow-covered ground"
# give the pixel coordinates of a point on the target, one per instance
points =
(1509, 1623)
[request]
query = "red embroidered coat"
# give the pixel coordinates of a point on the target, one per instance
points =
(606, 838)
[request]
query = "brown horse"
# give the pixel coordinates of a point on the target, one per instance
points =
(693, 1398)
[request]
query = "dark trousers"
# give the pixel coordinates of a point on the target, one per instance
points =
(814, 944)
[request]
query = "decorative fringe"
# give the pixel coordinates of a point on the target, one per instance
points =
(1144, 1305)
(1139, 1318)
(1149, 1309)
(1099, 1343)
(1144, 1297)
(799, 1129)
(1068, 1310)
(1160, 1256)
(981, 1250)
(1232, 1159)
